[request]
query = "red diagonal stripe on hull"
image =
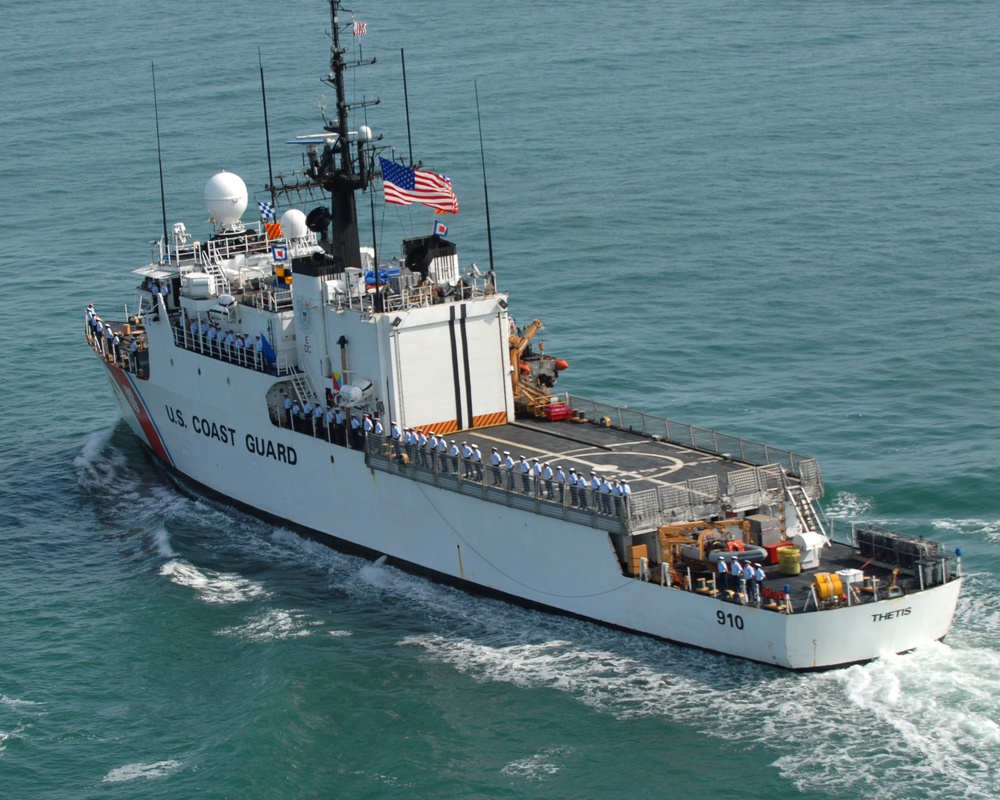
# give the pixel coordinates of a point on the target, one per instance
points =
(138, 407)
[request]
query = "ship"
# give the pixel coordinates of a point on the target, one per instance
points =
(391, 407)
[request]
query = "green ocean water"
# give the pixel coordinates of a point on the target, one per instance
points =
(776, 219)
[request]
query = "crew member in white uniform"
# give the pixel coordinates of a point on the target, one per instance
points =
(735, 573)
(748, 575)
(723, 573)
(561, 482)
(467, 459)
(477, 462)
(495, 460)
(442, 454)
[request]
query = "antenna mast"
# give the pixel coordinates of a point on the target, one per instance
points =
(486, 191)
(267, 132)
(337, 170)
(159, 158)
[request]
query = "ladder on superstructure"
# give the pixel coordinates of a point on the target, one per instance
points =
(805, 510)
(303, 387)
(222, 285)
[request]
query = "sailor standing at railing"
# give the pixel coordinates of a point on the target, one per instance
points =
(379, 430)
(330, 417)
(605, 490)
(736, 573)
(442, 449)
(341, 427)
(432, 447)
(561, 482)
(133, 355)
(477, 462)
(759, 577)
(573, 482)
(723, 573)
(467, 459)
(525, 469)
(356, 438)
(748, 580)
(618, 493)
(508, 464)
(536, 473)
(258, 353)
(453, 452)
(421, 443)
(495, 460)
(318, 415)
(397, 438)
(307, 417)
(547, 474)
(116, 345)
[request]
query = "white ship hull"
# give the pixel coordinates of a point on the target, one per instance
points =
(290, 316)
(545, 562)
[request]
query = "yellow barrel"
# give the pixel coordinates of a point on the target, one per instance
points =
(828, 584)
(127, 329)
(788, 560)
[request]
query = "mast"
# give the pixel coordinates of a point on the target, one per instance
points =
(338, 170)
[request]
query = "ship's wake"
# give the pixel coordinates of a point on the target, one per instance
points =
(925, 722)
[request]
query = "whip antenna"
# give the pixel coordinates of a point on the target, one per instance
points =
(267, 133)
(159, 158)
(486, 191)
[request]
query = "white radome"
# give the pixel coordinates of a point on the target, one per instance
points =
(293, 224)
(226, 198)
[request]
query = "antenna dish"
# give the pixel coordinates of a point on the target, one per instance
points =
(226, 198)
(364, 134)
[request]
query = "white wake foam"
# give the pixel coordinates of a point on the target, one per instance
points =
(849, 506)
(131, 772)
(272, 625)
(925, 721)
(212, 586)
(538, 767)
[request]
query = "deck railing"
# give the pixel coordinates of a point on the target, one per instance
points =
(699, 498)
(706, 440)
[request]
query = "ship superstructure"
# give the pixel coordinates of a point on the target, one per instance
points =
(393, 407)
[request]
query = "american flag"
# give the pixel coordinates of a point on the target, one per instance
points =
(403, 186)
(360, 28)
(266, 210)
